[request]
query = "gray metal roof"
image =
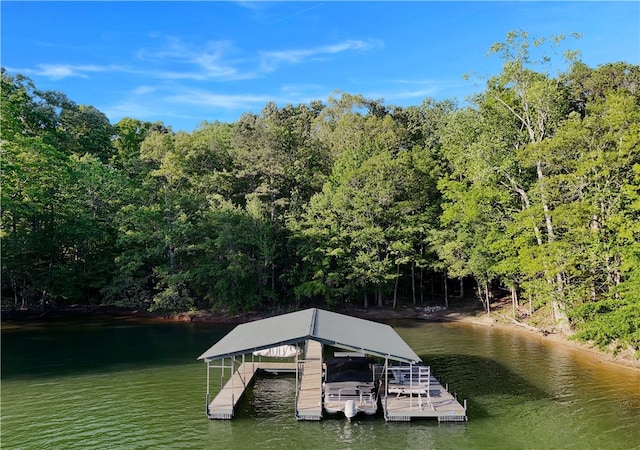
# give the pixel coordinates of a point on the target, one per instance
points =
(319, 325)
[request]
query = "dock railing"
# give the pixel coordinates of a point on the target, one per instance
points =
(412, 380)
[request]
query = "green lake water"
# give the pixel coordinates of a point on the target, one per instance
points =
(134, 384)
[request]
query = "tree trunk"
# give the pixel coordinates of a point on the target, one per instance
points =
(526, 204)
(545, 206)
(514, 299)
(560, 316)
(273, 277)
(446, 290)
(413, 282)
(379, 295)
(433, 290)
(488, 297)
(421, 286)
(395, 287)
(481, 296)
(366, 299)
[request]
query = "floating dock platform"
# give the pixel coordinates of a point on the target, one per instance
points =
(405, 391)
(224, 404)
(424, 398)
(308, 384)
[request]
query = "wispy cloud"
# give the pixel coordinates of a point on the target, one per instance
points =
(59, 71)
(175, 59)
(180, 60)
(142, 90)
(253, 5)
(215, 100)
(404, 89)
(172, 101)
(271, 59)
(221, 60)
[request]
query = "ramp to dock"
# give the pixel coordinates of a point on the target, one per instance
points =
(309, 394)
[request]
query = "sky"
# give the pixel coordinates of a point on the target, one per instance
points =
(183, 63)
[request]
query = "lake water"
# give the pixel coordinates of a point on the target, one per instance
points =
(130, 384)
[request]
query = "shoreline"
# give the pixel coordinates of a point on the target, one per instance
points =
(463, 315)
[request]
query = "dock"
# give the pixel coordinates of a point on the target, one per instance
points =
(308, 384)
(433, 402)
(224, 404)
(309, 389)
(424, 398)
(405, 391)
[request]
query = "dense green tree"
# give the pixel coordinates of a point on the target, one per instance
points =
(370, 220)
(533, 187)
(58, 198)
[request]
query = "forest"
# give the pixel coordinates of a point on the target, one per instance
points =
(530, 189)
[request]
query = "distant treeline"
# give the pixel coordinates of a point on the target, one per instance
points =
(533, 187)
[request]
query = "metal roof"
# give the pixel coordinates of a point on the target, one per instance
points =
(327, 327)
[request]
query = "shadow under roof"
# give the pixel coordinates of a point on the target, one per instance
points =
(327, 327)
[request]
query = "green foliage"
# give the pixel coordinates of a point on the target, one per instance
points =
(611, 322)
(534, 186)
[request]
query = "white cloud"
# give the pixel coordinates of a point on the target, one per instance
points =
(219, 101)
(419, 89)
(171, 102)
(271, 59)
(215, 60)
(142, 90)
(59, 71)
(178, 60)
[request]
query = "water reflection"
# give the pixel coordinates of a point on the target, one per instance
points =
(127, 384)
(67, 347)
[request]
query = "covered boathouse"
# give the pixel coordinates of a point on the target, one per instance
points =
(407, 390)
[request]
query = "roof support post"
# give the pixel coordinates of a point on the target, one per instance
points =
(208, 384)
(411, 386)
(233, 371)
(297, 384)
(208, 375)
(386, 386)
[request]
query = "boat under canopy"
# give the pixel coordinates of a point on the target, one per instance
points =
(405, 391)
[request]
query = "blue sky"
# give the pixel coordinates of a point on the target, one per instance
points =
(185, 62)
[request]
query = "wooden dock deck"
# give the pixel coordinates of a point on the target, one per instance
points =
(422, 397)
(224, 404)
(438, 404)
(309, 395)
(309, 385)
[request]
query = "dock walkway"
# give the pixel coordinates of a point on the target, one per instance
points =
(309, 395)
(308, 385)
(224, 404)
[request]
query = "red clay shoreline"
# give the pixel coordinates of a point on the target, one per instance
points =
(465, 315)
